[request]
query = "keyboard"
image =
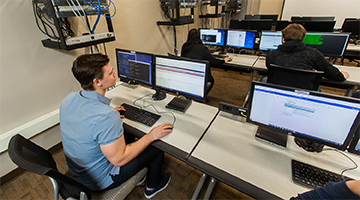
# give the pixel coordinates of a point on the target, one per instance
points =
(139, 115)
(311, 176)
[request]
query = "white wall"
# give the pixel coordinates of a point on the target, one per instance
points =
(341, 9)
(35, 79)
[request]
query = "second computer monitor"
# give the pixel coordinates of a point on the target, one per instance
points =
(329, 44)
(270, 40)
(319, 117)
(240, 39)
(182, 76)
(213, 36)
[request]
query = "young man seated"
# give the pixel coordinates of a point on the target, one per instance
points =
(93, 136)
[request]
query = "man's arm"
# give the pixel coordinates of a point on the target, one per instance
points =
(118, 153)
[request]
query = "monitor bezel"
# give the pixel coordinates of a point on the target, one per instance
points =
(218, 45)
(334, 33)
(252, 31)
(264, 50)
(177, 92)
(130, 80)
(314, 93)
(354, 142)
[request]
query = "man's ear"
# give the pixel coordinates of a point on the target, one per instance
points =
(97, 82)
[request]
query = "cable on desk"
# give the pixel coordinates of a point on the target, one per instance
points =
(347, 169)
(145, 106)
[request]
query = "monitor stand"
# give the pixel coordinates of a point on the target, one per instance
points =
(158, 96)
(309, 145)
(271, 136)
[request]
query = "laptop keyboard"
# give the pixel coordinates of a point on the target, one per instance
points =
(140, 115)
(311, 176)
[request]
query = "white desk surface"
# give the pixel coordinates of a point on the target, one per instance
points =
(354, 73)
(353, 47)
(242, 59)
(229, 145)
(188, 127)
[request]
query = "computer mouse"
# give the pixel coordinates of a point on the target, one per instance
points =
(122, 112)
(171, 128)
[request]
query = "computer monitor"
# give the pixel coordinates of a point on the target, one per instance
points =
(353, 27)
(312, 18)
(240, 39)
(257, 17)
(329, 44)
(270, 40)
(213, 36)
(135, 67)
(182, 76)
(262, 24)
(280, 25)
(239, 24)
(321, 26)
(344, 22)
(355, 143)
(315, 116)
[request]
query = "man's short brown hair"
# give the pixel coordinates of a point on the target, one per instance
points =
(294, 32)
(87, 67)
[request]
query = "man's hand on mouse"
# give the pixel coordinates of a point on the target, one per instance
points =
(160, 131)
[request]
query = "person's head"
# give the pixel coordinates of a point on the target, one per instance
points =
(194, 36)
(89, 69)
(293, 32)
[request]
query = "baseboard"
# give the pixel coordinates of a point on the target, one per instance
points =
(18, 171)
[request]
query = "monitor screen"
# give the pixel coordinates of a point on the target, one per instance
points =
(213, 36)
(182, 76)
(135, 67)
(270, 40)
(329, 44)
(240, 39)
(323, 118)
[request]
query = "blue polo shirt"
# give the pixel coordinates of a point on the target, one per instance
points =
(87, 121)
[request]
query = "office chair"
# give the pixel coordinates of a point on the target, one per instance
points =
(35, 159)
(299, 78)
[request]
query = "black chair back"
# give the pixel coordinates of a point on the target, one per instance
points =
(33, 158)
(299, 78)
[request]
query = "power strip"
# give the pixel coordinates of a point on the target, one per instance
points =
(88, 38)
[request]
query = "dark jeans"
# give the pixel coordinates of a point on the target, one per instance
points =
(152, 158)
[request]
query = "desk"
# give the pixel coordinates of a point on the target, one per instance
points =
(350, 83)
(230, 153)
(188, 127)
(353, 47)
(240, 62)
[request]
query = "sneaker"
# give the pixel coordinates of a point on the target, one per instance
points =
(141, 183)
(165, 180)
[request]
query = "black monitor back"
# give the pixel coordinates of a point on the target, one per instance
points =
(263, 24)
(312, 18)
(280, 25)
(321, 26)
(299, 78)
(353, 27)
(239, 24)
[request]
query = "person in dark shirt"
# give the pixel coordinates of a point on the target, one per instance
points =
(293, 53)
(194, 48)
(347, 189)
